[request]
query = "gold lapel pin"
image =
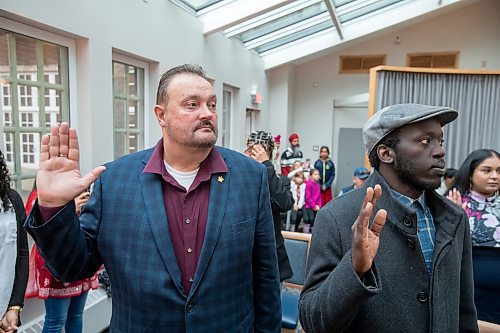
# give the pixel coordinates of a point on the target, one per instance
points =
(220, 179)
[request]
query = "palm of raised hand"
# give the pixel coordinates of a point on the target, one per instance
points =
(455, 196)
(365, 240)
(58, 178)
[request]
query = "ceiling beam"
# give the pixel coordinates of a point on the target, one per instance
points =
(334, 17)
(269, 17)
(236, 12)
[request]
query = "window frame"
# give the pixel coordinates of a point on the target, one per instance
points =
(433, 55)
(141, 116)
(226, 133)
(363, 59)
(68, 111)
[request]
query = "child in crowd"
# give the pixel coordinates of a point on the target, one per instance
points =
(307, 168)
(298, 188)
(313, 200)
(296, 167)
(326, 169)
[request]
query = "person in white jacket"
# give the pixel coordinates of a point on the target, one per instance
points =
(298, 188)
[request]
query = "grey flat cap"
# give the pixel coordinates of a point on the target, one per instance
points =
(395, 116)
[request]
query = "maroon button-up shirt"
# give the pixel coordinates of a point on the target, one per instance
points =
(187, 210)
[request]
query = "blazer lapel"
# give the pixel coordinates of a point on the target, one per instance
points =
(152, 194)
(219, 188)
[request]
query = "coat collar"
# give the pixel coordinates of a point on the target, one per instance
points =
(447, 216)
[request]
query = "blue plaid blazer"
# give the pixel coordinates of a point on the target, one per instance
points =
(124, 226)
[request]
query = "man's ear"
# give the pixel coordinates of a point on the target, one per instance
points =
(385, 154)
(160, 115)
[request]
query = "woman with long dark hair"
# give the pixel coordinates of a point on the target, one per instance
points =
(476, 189)
(14, 255)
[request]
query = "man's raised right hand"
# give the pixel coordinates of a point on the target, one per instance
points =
(58, 179)
(366, 240)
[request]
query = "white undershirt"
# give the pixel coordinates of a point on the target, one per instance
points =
(185, 179)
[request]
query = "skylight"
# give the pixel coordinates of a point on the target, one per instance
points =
(197, 5)
(281, 31)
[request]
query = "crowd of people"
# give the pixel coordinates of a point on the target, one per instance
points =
(190, 233)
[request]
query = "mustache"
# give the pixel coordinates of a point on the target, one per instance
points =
(205, 123)
(439, 164)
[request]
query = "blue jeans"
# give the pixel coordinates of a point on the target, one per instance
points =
(67, 312)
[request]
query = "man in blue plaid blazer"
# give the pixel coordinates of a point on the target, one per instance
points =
(184, 229)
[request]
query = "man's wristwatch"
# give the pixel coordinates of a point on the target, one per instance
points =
(15, 307)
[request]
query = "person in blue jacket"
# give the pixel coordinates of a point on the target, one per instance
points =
(184, 229)
(360, 175)
(326, 174)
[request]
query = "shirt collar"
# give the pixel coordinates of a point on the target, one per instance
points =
(213, 163)
(407, 201)
(478, 197)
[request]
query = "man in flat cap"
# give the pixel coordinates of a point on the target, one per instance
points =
(291, 154)
(393, 256)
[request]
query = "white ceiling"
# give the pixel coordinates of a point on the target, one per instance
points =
(291, 31)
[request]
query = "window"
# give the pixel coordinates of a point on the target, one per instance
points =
(25, 96)
(128, 107)
(9, 148)
(250, 121)
(49, 120)
(51, 78)
(27, 119)
(360, 64)
(227, 106)
(7, 118)
(51, 100)
(433, 60)
(28, 148)
(41, 69)
(6, 103)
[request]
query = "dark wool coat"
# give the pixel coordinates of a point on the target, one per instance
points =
(396, 295)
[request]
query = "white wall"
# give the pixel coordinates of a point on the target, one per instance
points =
(155, 31)
(279, 116)
(473, 30)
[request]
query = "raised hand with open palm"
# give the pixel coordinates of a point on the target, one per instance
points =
(58, 178)
(366, 240)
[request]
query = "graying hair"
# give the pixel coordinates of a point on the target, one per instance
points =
(167, 77)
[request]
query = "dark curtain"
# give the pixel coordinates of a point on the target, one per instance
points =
(475, 96)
